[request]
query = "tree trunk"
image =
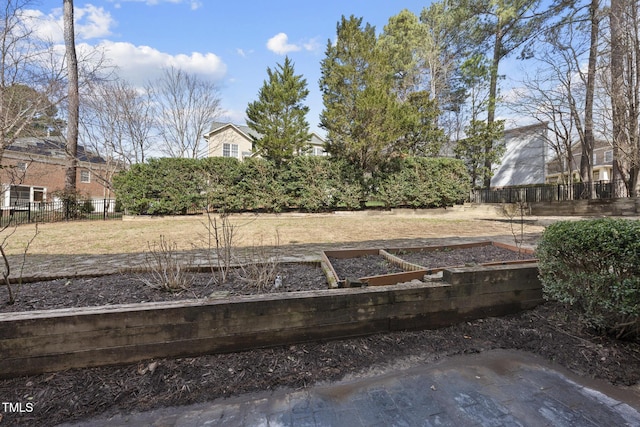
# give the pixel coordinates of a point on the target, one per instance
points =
(586, 160)
(493, 95)
(73, 99)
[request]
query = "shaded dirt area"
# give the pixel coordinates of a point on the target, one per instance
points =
(550, 330)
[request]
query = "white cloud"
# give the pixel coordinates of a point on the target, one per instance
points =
(141, 64)
(91, 22)
(234, 116)
(280, 44)
(312, 45)
(193, 4)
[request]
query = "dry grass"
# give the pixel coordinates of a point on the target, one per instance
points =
(118, 237)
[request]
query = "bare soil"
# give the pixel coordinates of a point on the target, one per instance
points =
(363, 266)
(462, 257)
(373, 265)
(550, 330)
(137, 288)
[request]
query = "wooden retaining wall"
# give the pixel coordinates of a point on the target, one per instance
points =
(54, 340)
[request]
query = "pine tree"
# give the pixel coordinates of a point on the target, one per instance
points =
(278, 116)
(361, 113)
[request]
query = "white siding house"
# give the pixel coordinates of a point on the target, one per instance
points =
(524, 161)
(229, 140)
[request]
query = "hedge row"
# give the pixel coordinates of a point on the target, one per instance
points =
(313, 184)
(595, 266)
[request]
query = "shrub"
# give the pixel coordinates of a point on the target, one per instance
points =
(595, 266)
(259, 188)
(161, 187)
(316, 184)
(420, 182)
(222, 174)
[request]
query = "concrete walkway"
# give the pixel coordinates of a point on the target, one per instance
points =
(495, 388)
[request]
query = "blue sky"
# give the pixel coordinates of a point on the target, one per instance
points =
(230, 42)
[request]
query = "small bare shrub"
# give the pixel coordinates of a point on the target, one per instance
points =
(262, 265)
(166, 272)
(13, 292)
(220, 241)
(515, 213)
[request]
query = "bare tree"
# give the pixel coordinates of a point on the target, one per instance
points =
(186, 106)
(544, 97)
(30, 77)
(625, 95)
(117, 122)
(73, 116)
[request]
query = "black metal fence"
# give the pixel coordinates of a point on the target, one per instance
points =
(22, 212)
(551, 192)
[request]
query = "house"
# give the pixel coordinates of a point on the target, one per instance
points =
(33, 169)
(230, 140)
(602, 164)
(524, 160)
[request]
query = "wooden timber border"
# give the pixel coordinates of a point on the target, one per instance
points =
(411, 271)
(54, 340)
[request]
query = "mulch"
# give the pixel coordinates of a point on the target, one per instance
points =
(551, 330)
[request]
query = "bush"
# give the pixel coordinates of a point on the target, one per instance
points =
(316, 184)
(164, 186)
(222, 174)
(259, 188)
(313, 184)
(420, 182)
(595, 266)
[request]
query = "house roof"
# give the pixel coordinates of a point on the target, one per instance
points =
(247, 132)
(52, 146)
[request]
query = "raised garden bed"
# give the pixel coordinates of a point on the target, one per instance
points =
(52, 340)
(229, 320)
(129, 288)
(375, 267)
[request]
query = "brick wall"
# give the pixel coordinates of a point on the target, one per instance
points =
(50, 173)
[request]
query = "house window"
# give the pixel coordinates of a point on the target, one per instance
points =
(596, 175)
(85, 177)
(595, 158)
(21, 166)
(230, 150)
(39, 194)
(19, 195)
(318, 151)
(608, 156)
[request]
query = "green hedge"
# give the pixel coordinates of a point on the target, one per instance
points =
(164, 186)
(307, 183)
(595, 266)
(420, 182)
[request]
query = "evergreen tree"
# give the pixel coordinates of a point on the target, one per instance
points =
(422, 136)
(361, 113)
(278, 116)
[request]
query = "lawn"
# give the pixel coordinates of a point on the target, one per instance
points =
(133, 236)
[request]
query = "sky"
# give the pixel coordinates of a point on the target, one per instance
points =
(231, 43)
